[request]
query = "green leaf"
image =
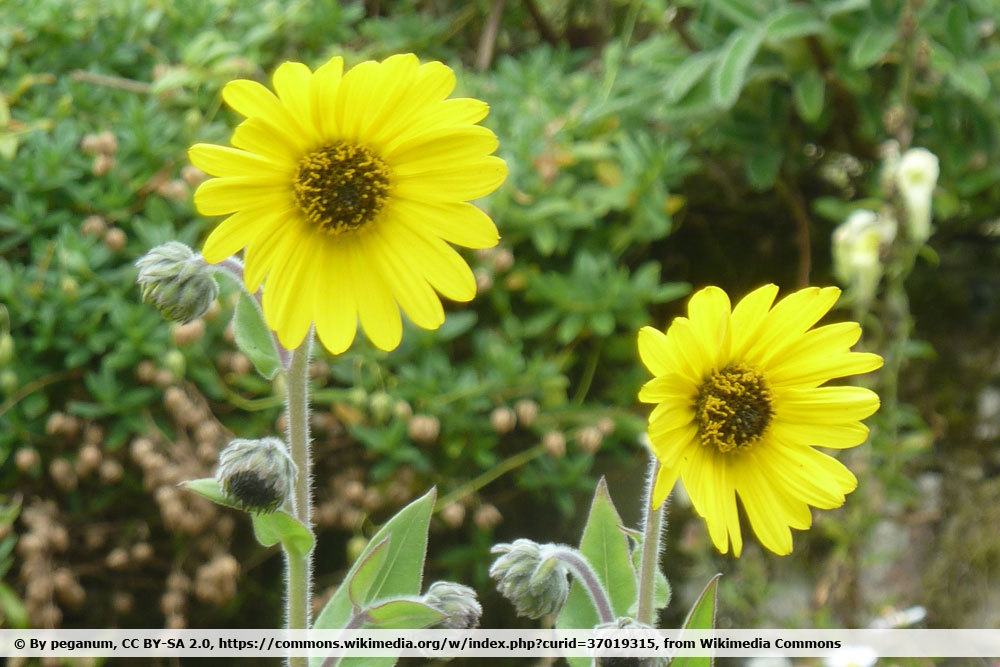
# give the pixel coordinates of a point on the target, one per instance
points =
(402, 571)
(701, 617)
(662, 591)
(396, 614)
(731, 72)
(762, 167)
(12, 611)
(971, 79)
(254, 338)
(210, 488)
(793, 22)
(742, 12)
(269, 529)
(808, 92)
(605, 547)
(362, 580)
(871, 45)
(688, 74)
(279, 526)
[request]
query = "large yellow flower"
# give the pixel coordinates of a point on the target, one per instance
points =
(345, 189)
(741, 406)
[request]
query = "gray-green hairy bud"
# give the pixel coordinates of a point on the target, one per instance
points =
(531, 577)
(457, 602)
(257, 475)
(629, 628)
(176, 280)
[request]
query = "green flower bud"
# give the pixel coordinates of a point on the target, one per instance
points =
(177, 281)
(258, 475)
(457, 602)
(531, 577)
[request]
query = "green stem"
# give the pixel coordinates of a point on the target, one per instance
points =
(588, 579)
(650, 563)
(299, 568)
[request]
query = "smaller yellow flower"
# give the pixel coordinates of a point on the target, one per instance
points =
(740, 407)
(346, 188)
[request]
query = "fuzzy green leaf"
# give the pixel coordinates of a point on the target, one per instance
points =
(370, 566)
(605, 547)
(701, 617)
(395, 614)
(269, 529)
(253, 337)
(279, 526)
(730, 73)
(402, 571)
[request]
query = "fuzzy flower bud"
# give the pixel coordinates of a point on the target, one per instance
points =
(177, 281)
(457, 602)
(917, 177)
(257, 474)
(531, 577)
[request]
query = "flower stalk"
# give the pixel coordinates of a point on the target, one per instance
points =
(650, 561)
(585, 574)
(299, 568)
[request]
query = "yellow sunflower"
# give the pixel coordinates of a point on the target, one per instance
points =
(345, 189)
(740, 408)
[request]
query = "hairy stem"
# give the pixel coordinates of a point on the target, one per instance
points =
(299, 568)
(588, 579)
(650, 563)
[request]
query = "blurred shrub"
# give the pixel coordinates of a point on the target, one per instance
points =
(651, 145)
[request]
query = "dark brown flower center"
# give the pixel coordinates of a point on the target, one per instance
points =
(341, 187)
(733, 408)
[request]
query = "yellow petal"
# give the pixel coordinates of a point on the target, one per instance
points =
(219, 196)
(824, 405)
(415, 296)
(674, 416)
(749, 315)
(708, 312)
(225, 161)
(460, 223)
(666, 387)
(446, 146)
(288, 291)
(238, 231)
(256, 136)
(264, 248)
(443, 268)
(674, 447)
(764, 509)
(432, 83)
(377, 310)
(788, 320)
(664, 484)
(325, 82)
(816, 370)
(255, 101)
(653, 350)
(693, 362)
(832, 436)
(808, 475)
(293, 84)
(470, 180)
(335, 304)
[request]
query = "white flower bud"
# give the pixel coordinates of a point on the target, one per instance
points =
(917, 177)
(177, 281)
(857, 250)
(531, 577)
(457, 602)
(258, 475)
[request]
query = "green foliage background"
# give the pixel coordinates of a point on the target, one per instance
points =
(652, 146)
